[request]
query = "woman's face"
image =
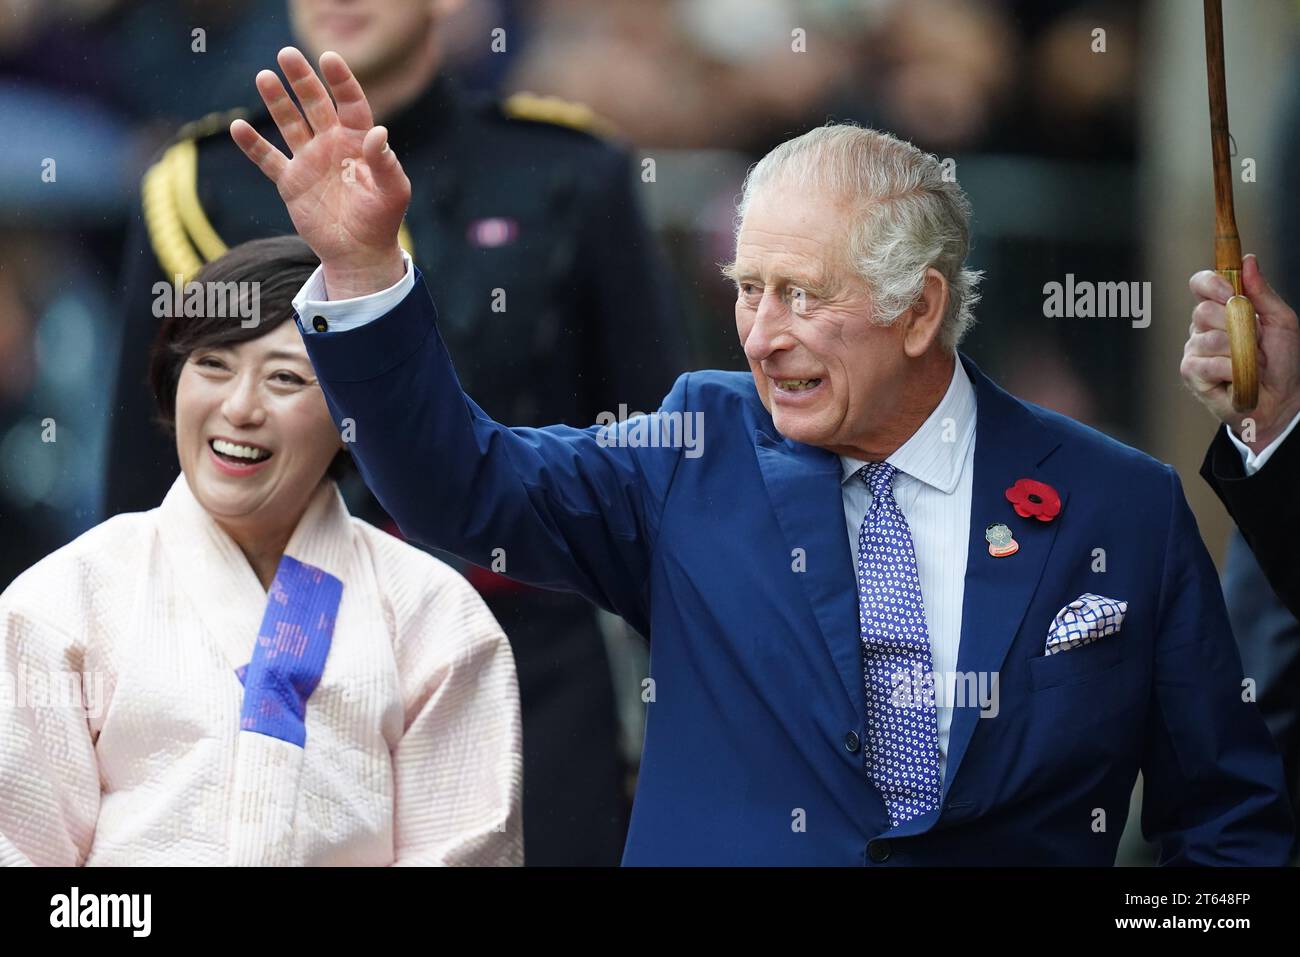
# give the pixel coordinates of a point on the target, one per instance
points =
(253, 433)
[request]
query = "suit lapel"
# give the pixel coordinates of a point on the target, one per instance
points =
(1010, 443)
(803, 484)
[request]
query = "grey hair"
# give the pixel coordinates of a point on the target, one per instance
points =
(908, 216)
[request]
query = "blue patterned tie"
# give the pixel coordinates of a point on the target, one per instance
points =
(902, 753)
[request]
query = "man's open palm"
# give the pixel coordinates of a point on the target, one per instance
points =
(344, 188)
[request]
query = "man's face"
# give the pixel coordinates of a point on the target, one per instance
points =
(373, 36)
(825, 372)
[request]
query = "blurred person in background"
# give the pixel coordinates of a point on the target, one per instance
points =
(1039, 122)
(529, 223)
(371, 718)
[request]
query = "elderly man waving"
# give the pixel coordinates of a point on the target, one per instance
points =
(896, 615)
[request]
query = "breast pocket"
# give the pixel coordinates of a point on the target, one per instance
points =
(1077, 665)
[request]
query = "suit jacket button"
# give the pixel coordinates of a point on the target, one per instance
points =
(878, 851)
(320, 324)
(851, 742)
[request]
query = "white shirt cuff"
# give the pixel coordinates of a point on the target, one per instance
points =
(1253, 461)
(342, 315)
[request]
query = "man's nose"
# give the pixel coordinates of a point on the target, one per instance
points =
(771, 329)
(243, 405)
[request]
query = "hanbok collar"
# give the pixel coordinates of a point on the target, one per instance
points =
(220, 583)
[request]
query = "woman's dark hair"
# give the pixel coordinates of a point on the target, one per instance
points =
(211, 310)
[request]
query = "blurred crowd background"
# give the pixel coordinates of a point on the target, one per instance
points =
(1077, 160)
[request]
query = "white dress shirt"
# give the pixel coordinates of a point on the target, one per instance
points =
(936, 470)
(342, 315)
(1253, 461)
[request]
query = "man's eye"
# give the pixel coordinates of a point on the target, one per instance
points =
(798, 299)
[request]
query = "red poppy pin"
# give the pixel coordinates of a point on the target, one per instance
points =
(1034, 500)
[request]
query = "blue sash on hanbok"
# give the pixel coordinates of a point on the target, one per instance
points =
(288, 660)
(290, 652)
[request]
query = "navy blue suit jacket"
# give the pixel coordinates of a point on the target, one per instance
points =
(757, 667)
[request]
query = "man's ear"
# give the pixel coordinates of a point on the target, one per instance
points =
(925, 318)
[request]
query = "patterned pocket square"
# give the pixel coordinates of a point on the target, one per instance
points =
(1084, 620)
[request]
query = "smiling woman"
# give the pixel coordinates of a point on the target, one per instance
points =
(372, 717)
(253, 433)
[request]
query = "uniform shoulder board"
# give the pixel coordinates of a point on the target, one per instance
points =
(558, 112)
(179, 230)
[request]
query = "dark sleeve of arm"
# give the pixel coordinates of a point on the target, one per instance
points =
(557, 507)
(637, 342)
(1264, 506)
(1213, 791)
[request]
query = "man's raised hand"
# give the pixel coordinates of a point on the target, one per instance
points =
(344, 188)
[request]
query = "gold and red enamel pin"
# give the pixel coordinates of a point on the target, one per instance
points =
(1001, 544)
(1030, 499)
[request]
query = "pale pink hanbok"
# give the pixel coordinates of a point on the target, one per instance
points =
(181, 744)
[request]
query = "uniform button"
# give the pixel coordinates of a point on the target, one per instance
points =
(851, 742)
(320, 324)
(878, 851)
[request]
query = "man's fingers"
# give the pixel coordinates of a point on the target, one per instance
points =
(311, 92)
(287, 119)
(1205, 373)
(353, 107)
(384, 167)
(1208, 284)
(1209, 344)
(1209, 314)
(268, 159)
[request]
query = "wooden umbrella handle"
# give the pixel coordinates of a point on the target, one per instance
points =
(1241, 342)
(1227, 244)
